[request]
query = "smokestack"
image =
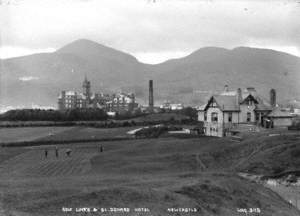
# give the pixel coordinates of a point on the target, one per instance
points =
(151, 103)
(239, 96)
(273, 97)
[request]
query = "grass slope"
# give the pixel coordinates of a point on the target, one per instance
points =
(157, 174)
(28, 133)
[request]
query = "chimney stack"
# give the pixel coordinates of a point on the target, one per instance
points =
(239, 96)
(151, 103)
(273, 97)
(226, 88)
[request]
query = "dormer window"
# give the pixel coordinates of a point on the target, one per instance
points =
(213, 104)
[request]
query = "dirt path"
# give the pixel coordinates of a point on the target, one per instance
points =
(290, 193)
(200, 163)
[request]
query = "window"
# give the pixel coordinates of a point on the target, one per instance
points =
(205, 116)
(230, 117)
(257, 117)
(213, 104)
(214, 117)
(248, 116)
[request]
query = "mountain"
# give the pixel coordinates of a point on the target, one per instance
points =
(38, 78)
(211, 68)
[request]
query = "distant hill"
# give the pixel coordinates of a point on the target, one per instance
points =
(38, 78)
(211, 68)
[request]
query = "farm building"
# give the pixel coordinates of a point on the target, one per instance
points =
(279, 117)
(226, 111)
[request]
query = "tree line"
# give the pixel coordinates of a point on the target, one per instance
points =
(54, 115)
(85, 114)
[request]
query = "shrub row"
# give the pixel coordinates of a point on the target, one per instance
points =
(60, 142)
(151, 132)
(54, 115)
(97, 124)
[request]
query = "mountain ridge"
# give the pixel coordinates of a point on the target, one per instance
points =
(110, 70)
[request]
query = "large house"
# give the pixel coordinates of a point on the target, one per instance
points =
(223, 112)
(71, 100)
(116, 103)
(121, 103)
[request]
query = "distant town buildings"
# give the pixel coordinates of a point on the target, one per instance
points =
(225, 111)
(116, 103)
(121, 103)
(171, 106)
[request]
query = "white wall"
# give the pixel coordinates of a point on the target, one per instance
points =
(214, 128)
(235, 117)
(201, 115)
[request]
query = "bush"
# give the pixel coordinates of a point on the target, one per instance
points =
(151, 132)
(295, 153)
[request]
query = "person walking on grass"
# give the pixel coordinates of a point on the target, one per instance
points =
(56, 152)
(46, 153)
(68, 152)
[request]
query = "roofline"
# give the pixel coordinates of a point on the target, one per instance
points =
(250, 95)
(263, 109)
(280, 116)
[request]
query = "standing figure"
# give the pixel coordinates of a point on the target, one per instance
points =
(68, 152)
(56, 152)
(46, 153)
(101, 148)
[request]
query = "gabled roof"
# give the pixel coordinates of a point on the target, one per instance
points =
(227, 102)
(224, 102)
(202, 107)
(279, 113)
(262, 104)
(250, 97)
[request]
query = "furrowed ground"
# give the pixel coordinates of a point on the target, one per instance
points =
(157, 174)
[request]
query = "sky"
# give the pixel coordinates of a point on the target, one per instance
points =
(151, 30)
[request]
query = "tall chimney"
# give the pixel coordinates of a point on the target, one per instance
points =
(151, 103)
(273, 97)
(239, 96)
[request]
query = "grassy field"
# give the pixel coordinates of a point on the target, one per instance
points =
(28, 133)
(157, 174)
(60, 133)
(90, 133)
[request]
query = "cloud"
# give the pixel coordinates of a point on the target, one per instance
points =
(158, 57)
(141, 26)
(28, 78)
(10, 51)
